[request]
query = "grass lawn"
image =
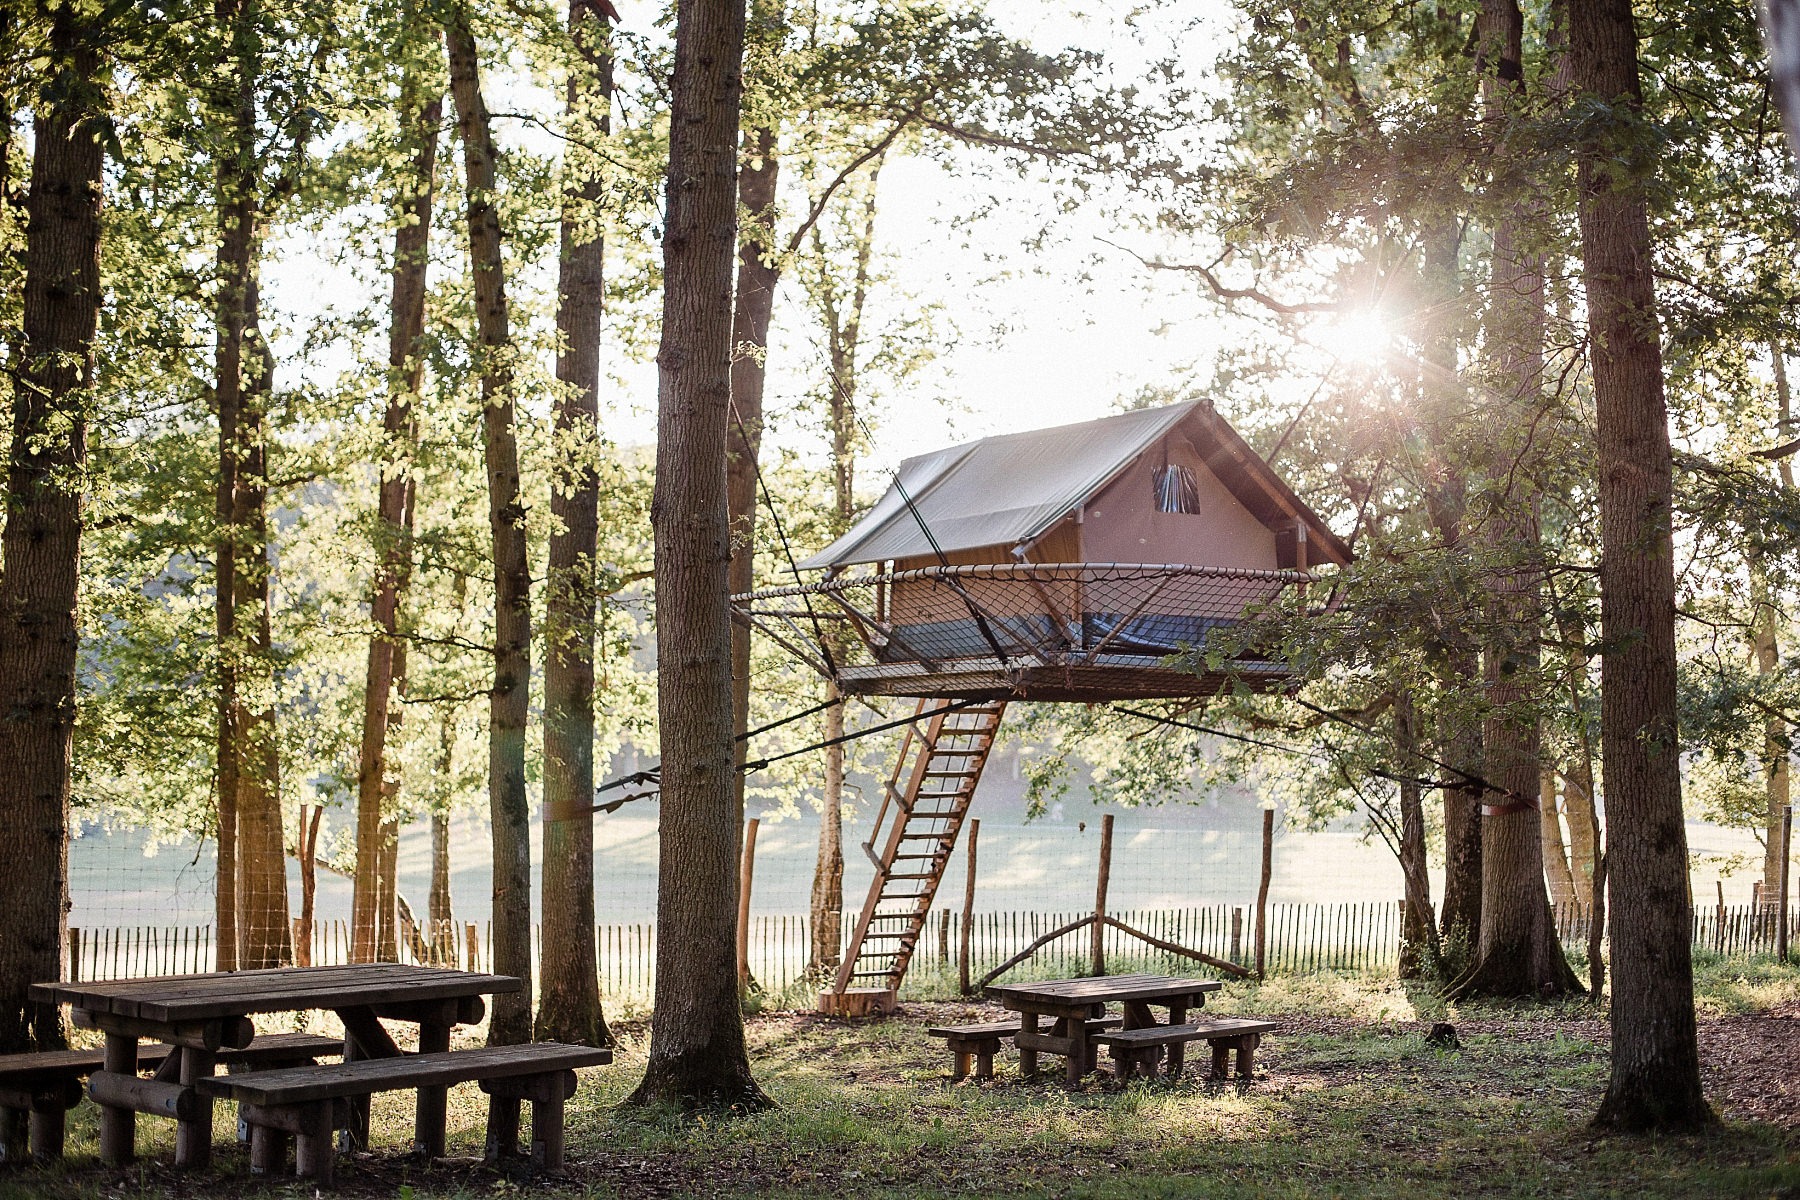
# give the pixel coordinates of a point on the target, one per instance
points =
(1348, 1101)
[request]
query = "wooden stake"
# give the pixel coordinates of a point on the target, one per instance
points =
(746, 872)
(1262, 888)
(968, 911)
(1106, 828)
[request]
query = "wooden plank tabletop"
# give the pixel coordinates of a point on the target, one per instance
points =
(1144, 989)
(177, 998)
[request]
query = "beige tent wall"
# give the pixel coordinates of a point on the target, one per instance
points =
(1122, 525)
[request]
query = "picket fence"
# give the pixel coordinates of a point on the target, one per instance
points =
(1301, 939)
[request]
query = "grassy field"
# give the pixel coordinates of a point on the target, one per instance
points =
(1348, 1101)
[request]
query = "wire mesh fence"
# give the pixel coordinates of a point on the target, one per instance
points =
(1300, 939)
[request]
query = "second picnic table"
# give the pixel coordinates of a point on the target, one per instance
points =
(200, 1014)
(1072, 1003)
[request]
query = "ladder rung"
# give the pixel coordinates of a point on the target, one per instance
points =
(924, 837)
(887, 936)
(914, 857)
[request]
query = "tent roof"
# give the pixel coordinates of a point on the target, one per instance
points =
(1008, 489)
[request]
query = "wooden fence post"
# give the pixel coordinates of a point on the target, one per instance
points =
(968, 911)
(1106, 827)
(746, 872)
(1262, 888)
(1237, 935)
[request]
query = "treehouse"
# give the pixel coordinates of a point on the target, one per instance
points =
(1091, 563)
(1057, 564)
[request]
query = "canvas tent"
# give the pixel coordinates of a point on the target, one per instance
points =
(1063, 563)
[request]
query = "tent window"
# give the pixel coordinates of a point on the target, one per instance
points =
(1176, 491)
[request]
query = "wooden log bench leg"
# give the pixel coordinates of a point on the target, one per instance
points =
(431, 1113)
(118, 1124)
(315, 1153)
(1246, 1054)
(268, 1150)
(959, 1068)
(12, 1135)
(547, 1130)
(193, 1137)
(503, 1127)
(48, 1128)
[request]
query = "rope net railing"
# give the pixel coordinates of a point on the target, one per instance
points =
(1024, 616)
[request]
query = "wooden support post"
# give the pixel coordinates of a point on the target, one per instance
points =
(12, 1135)
(746, 873)
(48, 1129)
(430, 1116)
(74, 955)
(193, 1138)
(1106, 828)
(503, 1127)
(1237, 935)
(118, 1125)
(314, 1155)
(472, 947)
(968, 911)
(1262, 888)
(1719, 921)
(268, 1150)
(547, 1129)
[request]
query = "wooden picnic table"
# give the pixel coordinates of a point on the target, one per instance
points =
(1069, 1003)
(200, 1014)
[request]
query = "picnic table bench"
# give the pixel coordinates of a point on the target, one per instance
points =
(36, 1090)
(1133, 1049)
(205, 1015)
(312, 1103)
(981, 1041)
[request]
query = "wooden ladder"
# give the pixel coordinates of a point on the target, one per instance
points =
(928, 794)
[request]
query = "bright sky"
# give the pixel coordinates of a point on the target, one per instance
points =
(1035, 338)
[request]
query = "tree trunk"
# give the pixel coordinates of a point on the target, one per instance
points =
(570, 1009)
(1775, 752)
(828, 871)
(41, 544)
(1518, 953)
(842, 318)
(1578, 811)
(697, 1051)
(307, 850)
(1557, 871)
(1655, 1080)
(421, 112)
(249, 754)
(237, 224)
(509, 701)
(758, 272)
(1457, 741)
(1419, 949)
(439, 910)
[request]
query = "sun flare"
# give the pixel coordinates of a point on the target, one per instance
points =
(1360, 336)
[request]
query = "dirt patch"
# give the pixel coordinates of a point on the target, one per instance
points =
(1751, 1065)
